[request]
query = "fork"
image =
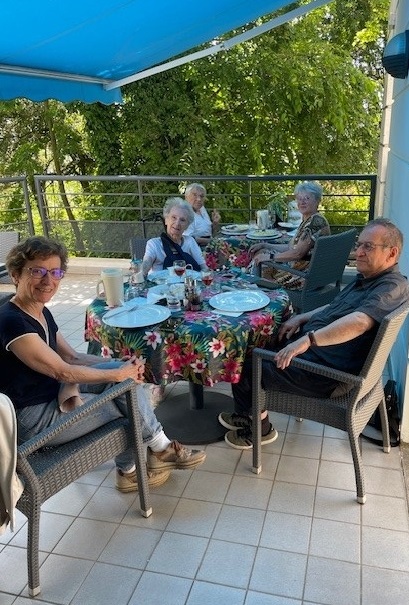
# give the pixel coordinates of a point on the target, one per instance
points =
(128, 310)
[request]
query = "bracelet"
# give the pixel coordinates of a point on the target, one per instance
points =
(311, 336)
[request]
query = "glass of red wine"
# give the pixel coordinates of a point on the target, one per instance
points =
(179, 267)
(207, 280)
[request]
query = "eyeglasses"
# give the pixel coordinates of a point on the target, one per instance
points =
(40, 272)
(369, 246)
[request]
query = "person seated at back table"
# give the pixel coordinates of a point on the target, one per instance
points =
(203, 227)
(338, 335)
(297, 253)
(40, 370)
(161, 252)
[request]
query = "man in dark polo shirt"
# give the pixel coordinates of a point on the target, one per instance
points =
(338, 335)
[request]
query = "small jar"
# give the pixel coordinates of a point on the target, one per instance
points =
(195, 300)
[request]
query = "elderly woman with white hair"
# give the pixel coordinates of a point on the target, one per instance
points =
(173, 244)
(203, 227)
(297, 253)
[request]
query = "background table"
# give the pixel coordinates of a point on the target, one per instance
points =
(202, 347)
(225, 251)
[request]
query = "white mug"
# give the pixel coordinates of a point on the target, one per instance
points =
(113, 283)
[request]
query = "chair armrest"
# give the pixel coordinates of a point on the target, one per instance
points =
(71, 418)
(283, 267)
(315, 368)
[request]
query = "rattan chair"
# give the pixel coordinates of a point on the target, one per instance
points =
(5, 296)
(137, 246)
(45, 470)
(322, 279)
(8, 239)
(349, 412)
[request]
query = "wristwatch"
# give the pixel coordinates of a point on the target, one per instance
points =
(311, 336)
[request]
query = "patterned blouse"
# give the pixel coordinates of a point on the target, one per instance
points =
(311, 228)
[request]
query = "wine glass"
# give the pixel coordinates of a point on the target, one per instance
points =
(207, 280)
(179, 267)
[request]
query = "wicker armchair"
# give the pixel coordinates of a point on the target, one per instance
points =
(322, 280)
(8, 239)
(349, 412)
(45, 470)
(137, 246)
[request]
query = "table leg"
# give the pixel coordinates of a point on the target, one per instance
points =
(191, 418)
(196, 396)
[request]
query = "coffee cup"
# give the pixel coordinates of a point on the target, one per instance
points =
(112, 282)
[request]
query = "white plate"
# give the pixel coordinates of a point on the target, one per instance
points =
(287, 225)
(160, 289)
(138, 300)
(267, 234)
(239, 301)
(164, 274)
(143, 315)
(234, 229)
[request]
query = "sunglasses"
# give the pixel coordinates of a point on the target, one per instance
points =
(40, 272)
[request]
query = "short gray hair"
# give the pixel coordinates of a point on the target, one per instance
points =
(194, 187)
(178, 202)
(33, 248)
(309, 187)
(393, 237)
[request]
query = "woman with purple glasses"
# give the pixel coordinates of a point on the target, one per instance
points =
(36, 361)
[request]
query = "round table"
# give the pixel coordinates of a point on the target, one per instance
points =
(202, 347)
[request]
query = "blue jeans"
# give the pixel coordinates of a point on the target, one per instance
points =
(33, 419)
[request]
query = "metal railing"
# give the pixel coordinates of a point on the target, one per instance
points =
(96, 216)
(15, 208)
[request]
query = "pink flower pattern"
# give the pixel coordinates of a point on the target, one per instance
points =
(204, 348)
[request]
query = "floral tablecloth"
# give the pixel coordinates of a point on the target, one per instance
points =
(232, 251)
(202, 347)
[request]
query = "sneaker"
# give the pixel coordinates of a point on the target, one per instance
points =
(175, 456)
(237, 421)
(234, 421)
(242, 439)
(127, 482)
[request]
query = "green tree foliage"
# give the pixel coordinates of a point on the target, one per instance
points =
(303, 98)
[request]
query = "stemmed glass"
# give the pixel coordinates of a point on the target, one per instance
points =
(179, 267)
(207, 279)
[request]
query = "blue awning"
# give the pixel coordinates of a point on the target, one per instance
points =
(83, 50)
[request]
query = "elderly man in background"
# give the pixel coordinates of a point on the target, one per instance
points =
(203, 227)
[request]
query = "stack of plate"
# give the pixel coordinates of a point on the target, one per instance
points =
(234, 229)
(260, 234)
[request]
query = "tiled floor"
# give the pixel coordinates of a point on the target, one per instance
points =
(293, 535)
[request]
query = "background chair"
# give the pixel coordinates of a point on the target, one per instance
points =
(5, 296)
(45, 470)
(350, 411)
(322, 280)
(8, 239)
(137, 246)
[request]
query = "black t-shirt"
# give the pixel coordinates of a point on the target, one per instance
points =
(23, 385)
(375, 296)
